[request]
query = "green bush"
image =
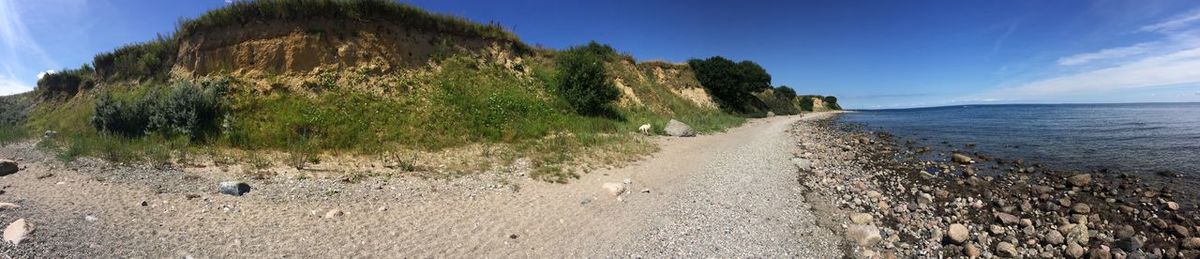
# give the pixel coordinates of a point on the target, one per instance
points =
(14, 109)
(584, 81)
(185, 109)
(732, 84)
(66, 83)
(785, 92)
(189, 110)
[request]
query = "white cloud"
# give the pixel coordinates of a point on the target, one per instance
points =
(9, 86)
(1107, 54)
(1175, 68)
(1177, 23)
(44, 73)
(18, 50)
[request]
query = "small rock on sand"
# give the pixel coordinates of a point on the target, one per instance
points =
(863, 235)
(614, 189)
(334, 213)
(1080, 180)
(8, 167)
(16, 231)
(958, 233)
(234, 188)
(8, 206)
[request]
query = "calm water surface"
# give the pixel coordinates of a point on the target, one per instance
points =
(1136, 138)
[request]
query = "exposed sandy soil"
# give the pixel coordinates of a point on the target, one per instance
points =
(733, 194)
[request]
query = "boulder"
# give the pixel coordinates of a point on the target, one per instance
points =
(678, 129)
(863, 235)
(1080, 180)
(961, 158)
(16, 232)
(8, 167)
(234, 188)
(958, 233)
(613, 188)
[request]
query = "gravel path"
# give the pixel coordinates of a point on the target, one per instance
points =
(733, 194)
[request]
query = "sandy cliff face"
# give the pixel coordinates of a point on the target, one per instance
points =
(640, 84)
(304, 48)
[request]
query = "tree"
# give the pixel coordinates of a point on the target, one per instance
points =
(785, 92)
(831, 103)
(731, 84)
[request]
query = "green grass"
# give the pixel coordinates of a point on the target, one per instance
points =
(244, 12)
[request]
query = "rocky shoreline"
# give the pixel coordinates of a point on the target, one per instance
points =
(893, 199)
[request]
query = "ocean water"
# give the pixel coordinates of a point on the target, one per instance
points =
(1143, 138)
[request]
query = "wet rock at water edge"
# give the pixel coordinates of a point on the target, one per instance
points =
(961, 158)
(1080, 180)
(234, 188)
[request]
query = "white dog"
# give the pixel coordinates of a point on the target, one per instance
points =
(645, 129)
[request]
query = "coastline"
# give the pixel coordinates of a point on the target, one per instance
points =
(890, 202)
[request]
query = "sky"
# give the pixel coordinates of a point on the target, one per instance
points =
(870, 54)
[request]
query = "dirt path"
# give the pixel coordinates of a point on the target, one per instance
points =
(727, 195)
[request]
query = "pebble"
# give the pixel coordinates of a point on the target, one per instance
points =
(861, 218)
(334, 213)
(1006, 249)
(8, 206)
(972, 251)
(1081, 208)
(1073, 250)
(1080, 180)
(958, 233)
(1172, 206)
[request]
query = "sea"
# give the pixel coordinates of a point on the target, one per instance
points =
(1135, 138)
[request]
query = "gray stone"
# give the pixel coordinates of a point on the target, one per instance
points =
(863, 235)
(861, 218)
(614, 189)
(8, 167)
(802, 164)
(679, 129)
(1074, 250)
(234, 188)
(1006, 249)
(1081, 208)
(1191, 243)
(1007, 219)
(1053, 237)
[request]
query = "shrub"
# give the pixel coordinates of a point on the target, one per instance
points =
(124, 116)
(66, 83)
(732, 84)
(185, 109)
(188, 109)
(583, 80)
(14, 109)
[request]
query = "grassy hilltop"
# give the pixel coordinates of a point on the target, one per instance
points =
(484, 90)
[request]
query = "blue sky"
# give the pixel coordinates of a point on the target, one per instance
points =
(871, 54)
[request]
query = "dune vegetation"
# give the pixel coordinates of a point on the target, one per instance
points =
(555, 107)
